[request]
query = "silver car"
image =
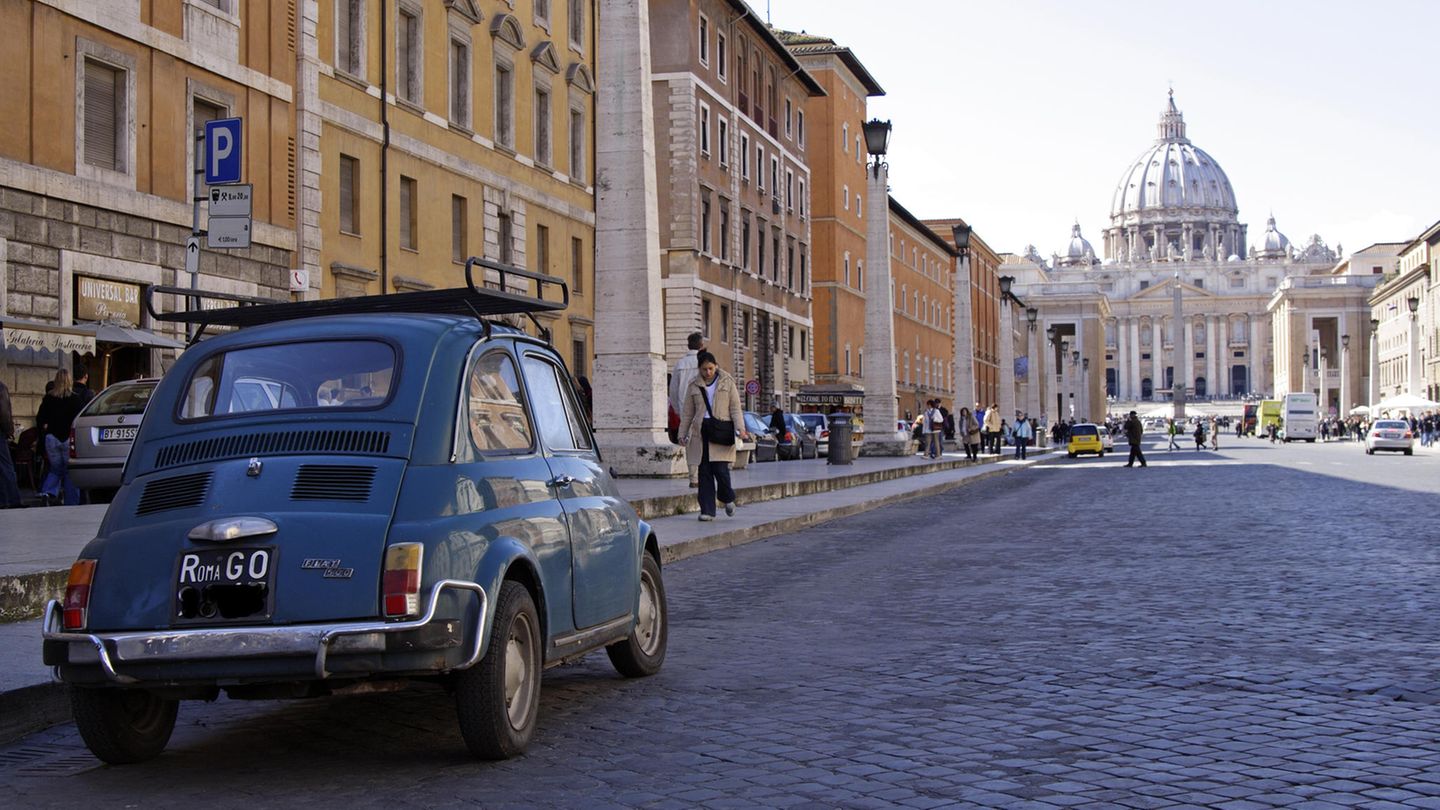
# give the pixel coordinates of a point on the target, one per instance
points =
(103, 432)
(1390, 434)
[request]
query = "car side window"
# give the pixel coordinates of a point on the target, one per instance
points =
(555, 406)
(495, 418)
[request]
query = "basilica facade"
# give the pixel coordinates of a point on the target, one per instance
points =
(1113, 321)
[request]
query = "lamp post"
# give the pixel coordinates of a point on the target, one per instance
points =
(1305, 369)
(1414, 304)
(1085, 389)
(1051, 383)
(964, 337)
(1182, 353)
(1374, 366)
(1032, 372)
(1075, 383)
(1345, 377)
(1324, 385)
(881, 408)
(1006, 360)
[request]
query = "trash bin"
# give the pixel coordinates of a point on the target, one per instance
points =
(840, 438)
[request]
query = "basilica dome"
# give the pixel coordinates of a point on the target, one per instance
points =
(1173, 174)
(1079, 251)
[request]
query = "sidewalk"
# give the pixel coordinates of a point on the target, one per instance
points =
(37, 546)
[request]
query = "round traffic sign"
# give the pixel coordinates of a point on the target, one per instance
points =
(752, 387)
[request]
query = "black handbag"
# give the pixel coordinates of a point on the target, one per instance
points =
(716, 431)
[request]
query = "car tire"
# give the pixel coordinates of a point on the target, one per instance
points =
(643, 652)
(498, 700)
(1071, 455)
(123, 726)
(1369, 451)
(1409, 452)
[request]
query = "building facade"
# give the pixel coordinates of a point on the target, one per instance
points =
(437, 131)
(1174, 225)
(1407, 340)
(734, 193)
(97, 160)
(922, 267)
(837, 226)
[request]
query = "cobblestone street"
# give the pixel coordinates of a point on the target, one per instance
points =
(1244, 629)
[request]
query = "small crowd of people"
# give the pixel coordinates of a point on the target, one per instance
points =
(64, 398)
(978, 431)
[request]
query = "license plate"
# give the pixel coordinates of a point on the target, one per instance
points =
(118, 434)
(224, 584)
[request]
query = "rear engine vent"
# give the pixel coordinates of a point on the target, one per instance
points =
(358, 442)
(179, 492)
(326, 482)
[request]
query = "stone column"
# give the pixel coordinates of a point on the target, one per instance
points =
(1374, 371)
(1413, 385)
(1007, 361)
(1122, 358)
(879, 376)
(1213, 386)
(1345, 388)
(964, 337)
(1134, 359)
(1034, 375)
(629, 379)
(1187, 356)
(1157, 352)
(1254, 355)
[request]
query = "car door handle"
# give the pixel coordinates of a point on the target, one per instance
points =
(562, 481)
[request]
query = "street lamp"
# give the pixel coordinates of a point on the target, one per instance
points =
(1414, 304)
(1007, 281)
(1050, 334)
(1032, 314)
(877, 142)
(1345, 405)
(1374, 365)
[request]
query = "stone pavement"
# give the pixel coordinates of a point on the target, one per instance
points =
(37, 546)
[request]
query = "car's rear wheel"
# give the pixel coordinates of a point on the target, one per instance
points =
(123, 726)
(1071, 455)
(1409, 451)
(1369, 451)
(498, 699)
(643, 652)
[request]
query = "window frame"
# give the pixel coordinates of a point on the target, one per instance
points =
(409, 221)
(459, 90)
(124, 114)
(354, 69)
(354, 209)
(504, 104)
(461, 424)
(415, 64)
(542, 124)
(703, 29)
(569, 402)
(459, 236)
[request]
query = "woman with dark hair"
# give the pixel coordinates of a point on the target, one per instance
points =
(56, 415)
(712, 394)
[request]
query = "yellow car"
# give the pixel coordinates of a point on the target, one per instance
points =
(1085, 439)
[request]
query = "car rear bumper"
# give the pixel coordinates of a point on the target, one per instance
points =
(96, 474)
(1392, 444)
(114, 652)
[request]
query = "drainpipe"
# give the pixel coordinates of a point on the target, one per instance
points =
(384, 154)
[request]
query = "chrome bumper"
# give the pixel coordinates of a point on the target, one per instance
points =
(212, 643)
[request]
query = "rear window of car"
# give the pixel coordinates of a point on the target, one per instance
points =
(1392, 426)
(293, 376)
(1083, 430)
(121, 400)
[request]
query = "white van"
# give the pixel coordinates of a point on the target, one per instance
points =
(1299, 414)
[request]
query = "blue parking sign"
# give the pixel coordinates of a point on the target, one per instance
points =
(222, 151)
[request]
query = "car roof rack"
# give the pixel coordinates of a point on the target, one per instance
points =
(483, 300)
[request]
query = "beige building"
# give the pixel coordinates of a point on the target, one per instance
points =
(96, 160)
(922, 270)
(436, 131)
(1407, 337)
(734, 193)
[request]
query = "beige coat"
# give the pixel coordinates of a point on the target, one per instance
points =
(725, 406)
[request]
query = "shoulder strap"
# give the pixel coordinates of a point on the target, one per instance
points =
(705, 395)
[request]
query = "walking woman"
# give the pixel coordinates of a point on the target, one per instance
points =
(968, 431)
(57, 413)
(713, 394)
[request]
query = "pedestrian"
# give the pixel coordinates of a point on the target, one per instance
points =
(713, 399)
(968, 429)
(1214, 437)
(1199, 435)
(990, 430)
(1172, 430)
(933, 431)
(680, 378)
(82, 386)
(1134, 434)
(9, 483)
(1021, 433)
(55, 417)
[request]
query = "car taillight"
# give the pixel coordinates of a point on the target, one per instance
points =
(789, 437)
(77, 594)
(824, 434)
(1409, 435)
(400, 584)
(72, 442)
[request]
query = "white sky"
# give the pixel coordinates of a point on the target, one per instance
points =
(1021, 115)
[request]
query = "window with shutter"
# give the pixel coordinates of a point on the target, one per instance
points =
(542, 126)
(349, 194)
(459, 83)
(577, 145)
(104, 94)
(577, 264)
(459, 249)
(409, 224)
(504, 94)
(407, 54)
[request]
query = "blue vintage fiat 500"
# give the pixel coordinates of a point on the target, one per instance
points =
(356, 491)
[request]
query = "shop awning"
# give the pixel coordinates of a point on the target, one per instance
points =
(49, 337)
(112, 333)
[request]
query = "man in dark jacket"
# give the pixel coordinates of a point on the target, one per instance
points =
(1134, 432)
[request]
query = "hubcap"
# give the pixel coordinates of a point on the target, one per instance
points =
(647, 623)
(520, 672)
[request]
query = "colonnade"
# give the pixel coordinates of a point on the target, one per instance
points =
(1217, 345)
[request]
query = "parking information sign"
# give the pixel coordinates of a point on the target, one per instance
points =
(228, 233)
(231, 201)
(222, 151)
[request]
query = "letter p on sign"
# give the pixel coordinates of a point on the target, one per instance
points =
(222, 151)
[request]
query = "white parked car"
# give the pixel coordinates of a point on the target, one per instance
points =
(1390, 434)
